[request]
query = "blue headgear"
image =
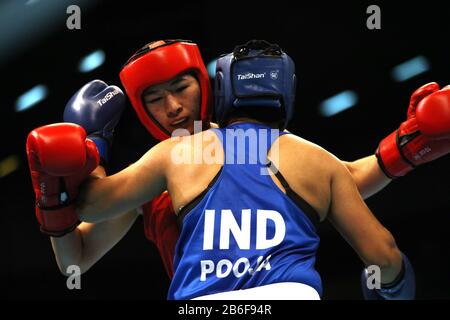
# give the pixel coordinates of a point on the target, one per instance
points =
(256, 74)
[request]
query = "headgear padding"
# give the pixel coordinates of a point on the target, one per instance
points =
(256, 74)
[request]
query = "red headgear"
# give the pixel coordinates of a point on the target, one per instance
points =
(154, 65)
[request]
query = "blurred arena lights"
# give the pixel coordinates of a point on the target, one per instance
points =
(338, 103)
(92, 61)
(410, 68)
(31, 2)
(9, 165)
(24, 23)
(31, 98)
(211, 67)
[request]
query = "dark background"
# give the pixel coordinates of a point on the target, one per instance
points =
(333, 51)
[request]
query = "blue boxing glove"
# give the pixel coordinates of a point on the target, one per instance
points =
(402, 288)
(97, 108)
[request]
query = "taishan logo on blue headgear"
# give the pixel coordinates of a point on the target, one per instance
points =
(251, 75)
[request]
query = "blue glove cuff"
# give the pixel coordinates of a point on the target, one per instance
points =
(103, 148)
(402, 288)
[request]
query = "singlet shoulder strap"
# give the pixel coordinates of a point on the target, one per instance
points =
(188, 207)
(310, 212)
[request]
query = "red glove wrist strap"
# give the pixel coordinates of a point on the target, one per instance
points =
(390, 157)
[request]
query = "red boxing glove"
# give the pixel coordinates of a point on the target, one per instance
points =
(60, 158)
(423, 137)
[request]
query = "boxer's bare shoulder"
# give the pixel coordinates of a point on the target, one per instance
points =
(308, 168)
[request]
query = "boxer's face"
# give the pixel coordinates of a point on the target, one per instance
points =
(174, 104)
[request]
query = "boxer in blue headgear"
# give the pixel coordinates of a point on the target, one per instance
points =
(247, 233)
(256, 74)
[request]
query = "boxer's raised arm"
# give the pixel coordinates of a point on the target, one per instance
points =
(367, 175)
(89, 242)
(127, 189)
(423, 137)
(355, 222)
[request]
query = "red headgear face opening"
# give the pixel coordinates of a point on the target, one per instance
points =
(154, 65)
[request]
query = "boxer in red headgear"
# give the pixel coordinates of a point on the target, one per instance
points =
(159, 62)
(179, 64)
(169, 88)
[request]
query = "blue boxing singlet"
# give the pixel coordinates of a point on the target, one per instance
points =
(243, 231)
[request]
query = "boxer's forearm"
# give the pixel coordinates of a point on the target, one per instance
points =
(106, 198)
(96, 201)
(98, 173)
(368, 176)
(68, 250)
(84, 247)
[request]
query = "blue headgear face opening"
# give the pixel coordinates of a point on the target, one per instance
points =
(257, 74)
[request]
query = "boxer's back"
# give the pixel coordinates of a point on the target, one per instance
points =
(246, 214)
(306, 167)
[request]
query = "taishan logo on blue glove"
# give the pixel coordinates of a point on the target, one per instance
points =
(108, 97)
